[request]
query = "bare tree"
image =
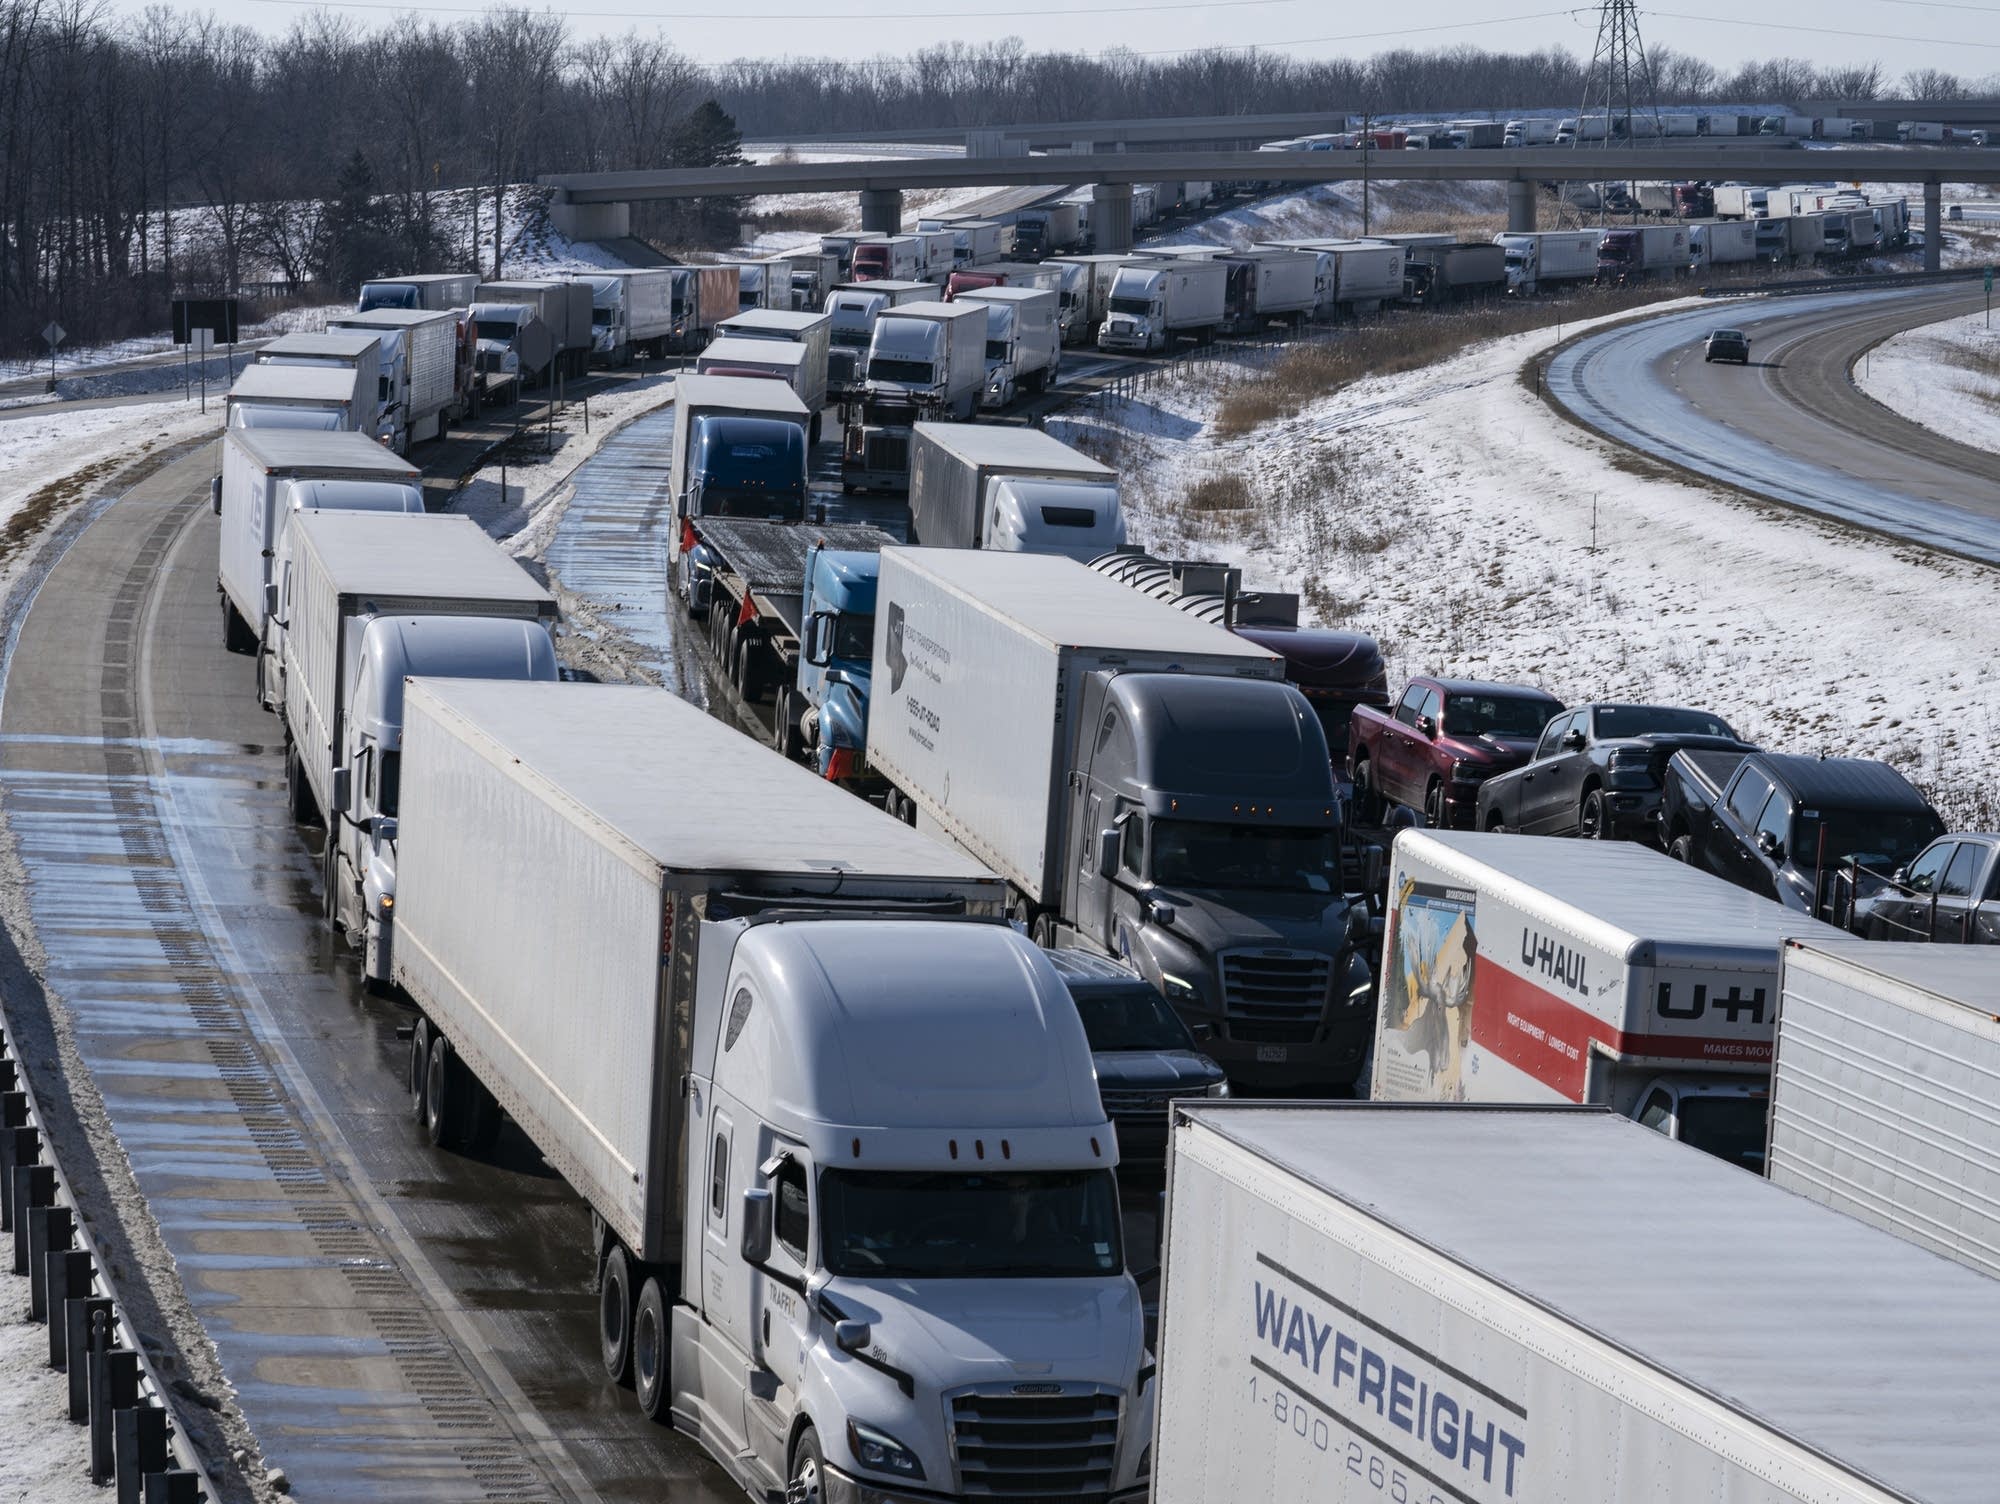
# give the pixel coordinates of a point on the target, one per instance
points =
(1933, 86)
(510, 59)
(1856, 82)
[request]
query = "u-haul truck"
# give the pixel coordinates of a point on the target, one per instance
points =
(1524, 969)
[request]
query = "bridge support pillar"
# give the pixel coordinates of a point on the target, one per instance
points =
(1520, 208)
(590, 221)
(882, 211)
(1933, 225)
(1111, 217)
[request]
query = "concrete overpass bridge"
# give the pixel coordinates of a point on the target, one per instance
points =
(597, 205)
(1206, 131)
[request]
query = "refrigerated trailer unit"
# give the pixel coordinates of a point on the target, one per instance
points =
(1520, 969)
(431, 292)
(1363, 1304)
(631, 313)
(356, 350)
(423, 381)
(1885, 1099)
(702, 940)
(982, 485)
(330, 399)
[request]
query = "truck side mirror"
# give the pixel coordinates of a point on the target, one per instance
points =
(1107, 853)
(271, 600)
(341, 795)
(215, 493)
(819, 639)
(1768, 844)
(852, 1336)
(1357, 924)
(1427, 725)
(1573, 741)
(756, 1226)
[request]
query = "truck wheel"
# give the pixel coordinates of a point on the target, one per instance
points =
(650, 1337)
(1434, 804)
(789, 736)
(1593, 820)
(445, 1092)
(236, 634)
(806, 1478)
(1681, 849)
(749, 675)
(298, 793)
(1367, 802)
(420, 1057)
(614, 1314)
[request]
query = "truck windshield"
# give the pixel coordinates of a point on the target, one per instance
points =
(1878, 839)
(854, 338)
(500, 329)
(943, 1225)
(387, 295)
(996, 349)
(1729, 1127)
(916, 372)
(1130, 1018)
(746, 478)
(1642, 720)
(1137, 307)
(1210, 854)
(854, 637)
(1497, 715)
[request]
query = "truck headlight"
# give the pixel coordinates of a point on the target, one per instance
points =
(1178, 989)
(1217, 1089)
(879, 1450)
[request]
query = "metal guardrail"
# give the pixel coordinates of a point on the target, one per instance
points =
(1845, 284)
(115, 1391)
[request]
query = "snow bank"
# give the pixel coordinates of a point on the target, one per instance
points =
(1944, 376)
(1473, 531)
(43, 1458)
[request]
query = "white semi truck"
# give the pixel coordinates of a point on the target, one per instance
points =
(1023, 341)
(926, 362)
(853, 308)
(1520, 969)
(356, 350)
(326, 399)
(857, 1234)
(1547, 256)
(987, 486)
(1365, 1304)
(1155, 302)
(1721, 242)
(631, 313)
(424, 381)
(266, 477)
(1084, 294)
(1883, 1098)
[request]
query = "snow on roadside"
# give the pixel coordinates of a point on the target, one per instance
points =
(43, 1458)
(1473, 531)
(1943, 376)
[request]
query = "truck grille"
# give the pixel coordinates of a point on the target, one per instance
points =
(1275, 997)
(1035, 1447)
(1151, 1103)
(887, 451)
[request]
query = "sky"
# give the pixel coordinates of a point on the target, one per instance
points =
(1958, 35)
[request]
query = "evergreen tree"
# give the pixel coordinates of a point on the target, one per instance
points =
(707, 137)
(357, 238)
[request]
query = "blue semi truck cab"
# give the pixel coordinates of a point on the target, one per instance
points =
(823, 719)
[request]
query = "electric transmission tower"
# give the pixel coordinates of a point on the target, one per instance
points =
(1620, 104)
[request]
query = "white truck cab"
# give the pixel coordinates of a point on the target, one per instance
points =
(900, 1194)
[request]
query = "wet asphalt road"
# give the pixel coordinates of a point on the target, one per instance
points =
(1792, 426)
(399, 1324)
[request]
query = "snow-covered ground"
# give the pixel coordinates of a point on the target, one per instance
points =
(1335, 209)
(1452, 514)
(1944, 376)
(43, 1458)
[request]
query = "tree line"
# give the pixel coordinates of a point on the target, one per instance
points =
(168, 154)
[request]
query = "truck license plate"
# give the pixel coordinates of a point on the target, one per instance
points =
(1273, 1054)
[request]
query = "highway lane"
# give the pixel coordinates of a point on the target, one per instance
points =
(1791, 426)
(398, 1324)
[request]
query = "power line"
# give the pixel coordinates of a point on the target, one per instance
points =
(1829, 31)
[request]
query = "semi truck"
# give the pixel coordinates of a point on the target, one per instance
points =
(1023, 341)
(1790, 239)
(431, 292)
(1535, 131)
(757, 286)
(1606, 973)
(790, 363)
(1722, 242)
(631, 313)
(514, 347)
(739, 450)
(1632, 253)
(821, 717)
(563, 309)
(977, 241)
(1882, 1095)
(1548, 256)
(1146, 783)
(812, 331)
(1046, 230)
(891, 258)
(901, 1282)
(1084, 292)
(267, 476)
(814, 275)
(358, 350)
(330, 399)
(1155, 302)
(926, 362)
(1268, 286)
(369, 601)
(426, 383)
(1447, 273)
(703, 297)
(988, 486)
(1741, 201)
(1363, 1303)
(853, 308)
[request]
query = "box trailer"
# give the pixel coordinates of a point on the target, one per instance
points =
(431, 292)
(891, 258)
(1631, 253)
(1883, 1097)
(1043, 231)
(349, 567)
(1722, 242)
(1099, 750)
(978, 241)
(422, 384)
(1023, 341)
(929, 357)
(1445, 273)
(1606, 973)
(331, 399)
(356, 350)
(790, 363)
(564, 310)
(705, 931)
(703, 297)
(853, 308)
(264, 473)
(1547, 256)
(631, 313)
(986, 486)
(1155, 302)
(1270, 285)
(1085, 293)
(813, 331)
(1482, 1306)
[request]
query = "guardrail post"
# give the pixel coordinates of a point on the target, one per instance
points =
(13, 1115)
(141, 1445)
(34, 1185)
(50, 1229)
(68, 1277)
(79, 1312)
(175, 1486)
(114, 1386)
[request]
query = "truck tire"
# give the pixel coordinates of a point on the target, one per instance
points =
(615, 1302)
(805, 1479)
(651, 1336)
(298, 793)
(1593, 817)
(749, 675)
(787, 735)
(1681, 849)
(1434, 815)
(236, 634)
(1367, 799)
(420, 1057)
(447, 1097)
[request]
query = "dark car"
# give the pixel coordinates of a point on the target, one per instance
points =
(1787, 826)
(1144, 1054)
(1443, 740)
(1727, 344)
(1598, 769)
(1950, 894)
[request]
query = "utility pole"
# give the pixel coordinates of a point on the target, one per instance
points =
(1618, 87)
(1367, 162)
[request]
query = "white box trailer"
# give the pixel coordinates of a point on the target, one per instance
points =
(982, 485)
(1362, 1304)
(812, 331)
(1278, 286)
(263, 472)
(1722, 242)
(1606, 973)
(420, 370)
(995, 647)
(563, 308)
(631, 312)
(1741, 201)
(792, 364)
(1023, 340)
(350, 567)
(356, 350)
(1885, 1098)
(1367, 272)
(330, 399)
(1085, 296)
(432, 292)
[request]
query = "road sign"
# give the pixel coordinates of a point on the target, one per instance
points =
(218, 315)
(55, 334)
(200, 340)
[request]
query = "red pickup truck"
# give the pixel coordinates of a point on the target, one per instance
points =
(1443, 739)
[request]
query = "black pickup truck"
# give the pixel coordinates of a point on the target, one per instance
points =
(1786, 826)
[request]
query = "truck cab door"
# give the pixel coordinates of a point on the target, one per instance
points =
(1537, 780)
(725, 1295)
(784, 1324)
